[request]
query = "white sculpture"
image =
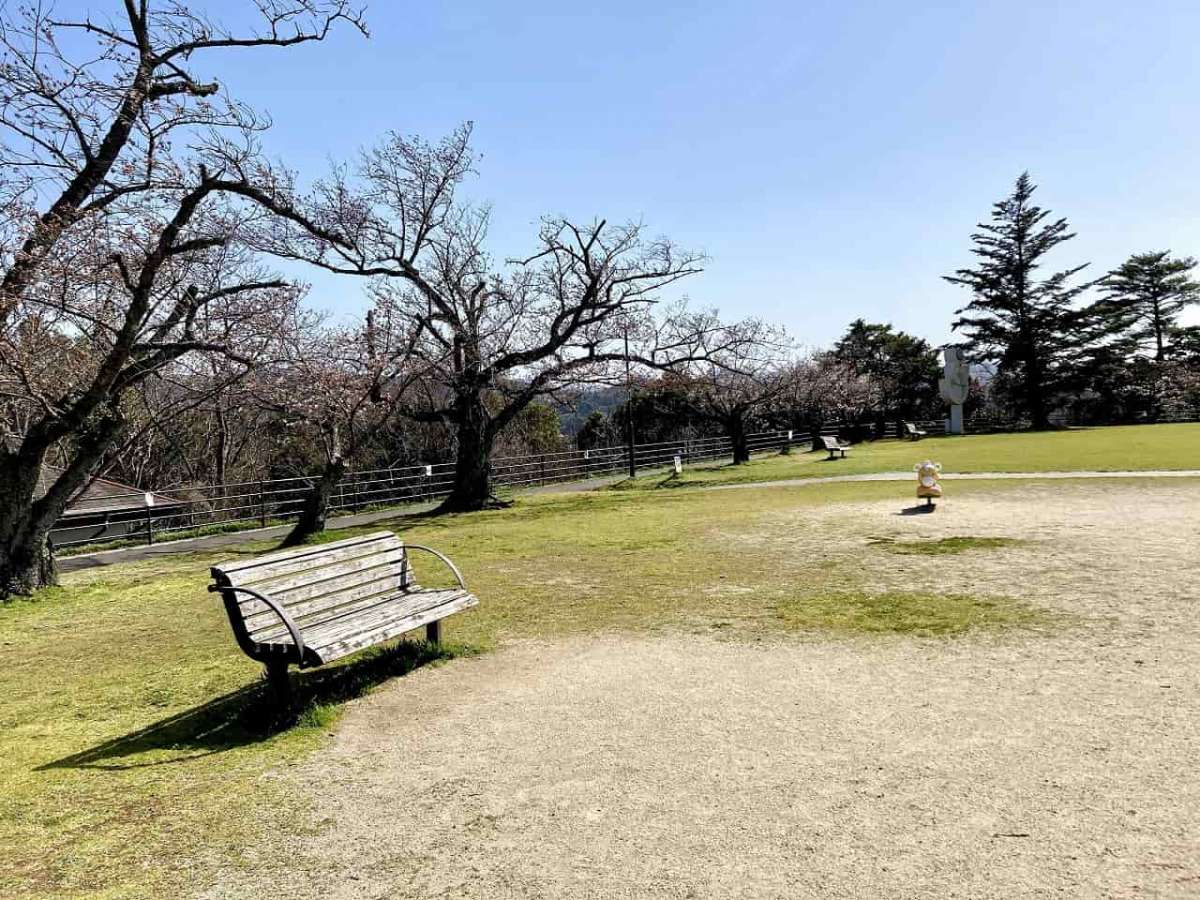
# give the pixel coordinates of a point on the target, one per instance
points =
(955, 386)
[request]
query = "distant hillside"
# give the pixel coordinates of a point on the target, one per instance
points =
(574, 412)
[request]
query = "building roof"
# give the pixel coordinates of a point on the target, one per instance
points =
(103, 496)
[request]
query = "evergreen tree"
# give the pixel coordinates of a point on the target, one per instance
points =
(1027, 325)
(903, 367)
(1144, 297)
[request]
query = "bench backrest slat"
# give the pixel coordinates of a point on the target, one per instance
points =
(315, 584)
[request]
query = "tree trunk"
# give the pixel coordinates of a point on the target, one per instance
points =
(736, 426)
(221, 451)
(26, 553)
(26, 558)
(472, 488)
(815, 426)
(1038, 416)
(316, 504)
(1035, 392)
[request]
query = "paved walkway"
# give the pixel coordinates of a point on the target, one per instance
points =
(213, 541)
(960, 476)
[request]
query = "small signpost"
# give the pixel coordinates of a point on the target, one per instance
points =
(149, 498)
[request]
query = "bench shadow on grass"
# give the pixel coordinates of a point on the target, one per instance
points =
(251, 715)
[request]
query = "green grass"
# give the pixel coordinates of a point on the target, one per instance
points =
(139, 753)
(1124, 448)
(926, 615)
(944, 546)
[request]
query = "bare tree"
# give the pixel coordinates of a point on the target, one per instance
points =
(344, 385)
(492, 338)
(121, 248)
(728, 373)
(197, 423)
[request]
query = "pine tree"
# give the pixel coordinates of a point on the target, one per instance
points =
(1144, 297)
(1028, 326)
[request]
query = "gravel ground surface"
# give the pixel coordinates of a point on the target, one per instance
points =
(1058, 762)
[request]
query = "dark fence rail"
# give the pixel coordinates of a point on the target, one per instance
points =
(195, 510)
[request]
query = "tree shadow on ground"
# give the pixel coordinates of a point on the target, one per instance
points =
(251, 714)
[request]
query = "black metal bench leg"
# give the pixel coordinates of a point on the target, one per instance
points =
(433, 632)
(281, 684)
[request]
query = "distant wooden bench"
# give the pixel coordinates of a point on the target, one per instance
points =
(833, 445)
(912, 432)
(312, 605)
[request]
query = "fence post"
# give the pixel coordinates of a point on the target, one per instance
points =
(262, 504)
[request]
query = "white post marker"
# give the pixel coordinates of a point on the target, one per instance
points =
(149, 497)
(678, 466)
(429, 471)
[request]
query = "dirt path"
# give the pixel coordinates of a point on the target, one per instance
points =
(1010, 765)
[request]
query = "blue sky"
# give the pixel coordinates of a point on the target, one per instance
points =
(831, 158)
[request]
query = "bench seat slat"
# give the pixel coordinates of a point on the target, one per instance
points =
(380, 612)
(392, 628)
(358, 607)
(383, 621)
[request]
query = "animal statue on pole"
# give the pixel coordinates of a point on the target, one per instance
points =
(929, 486)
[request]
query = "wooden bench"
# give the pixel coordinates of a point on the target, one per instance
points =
(312, 605)
(833, 445)
(912, 432)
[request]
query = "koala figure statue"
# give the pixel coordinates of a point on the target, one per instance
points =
(929, 486)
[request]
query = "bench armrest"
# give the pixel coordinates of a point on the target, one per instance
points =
(293, 630)
(453, 568)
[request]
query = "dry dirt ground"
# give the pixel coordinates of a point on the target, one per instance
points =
(1058, 762)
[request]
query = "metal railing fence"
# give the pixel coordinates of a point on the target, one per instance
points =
(195, 510)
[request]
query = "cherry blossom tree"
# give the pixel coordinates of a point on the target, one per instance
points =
(492, 337)
(122, 252)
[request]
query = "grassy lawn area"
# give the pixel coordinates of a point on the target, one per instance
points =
(1114, 449)
(133, 735)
